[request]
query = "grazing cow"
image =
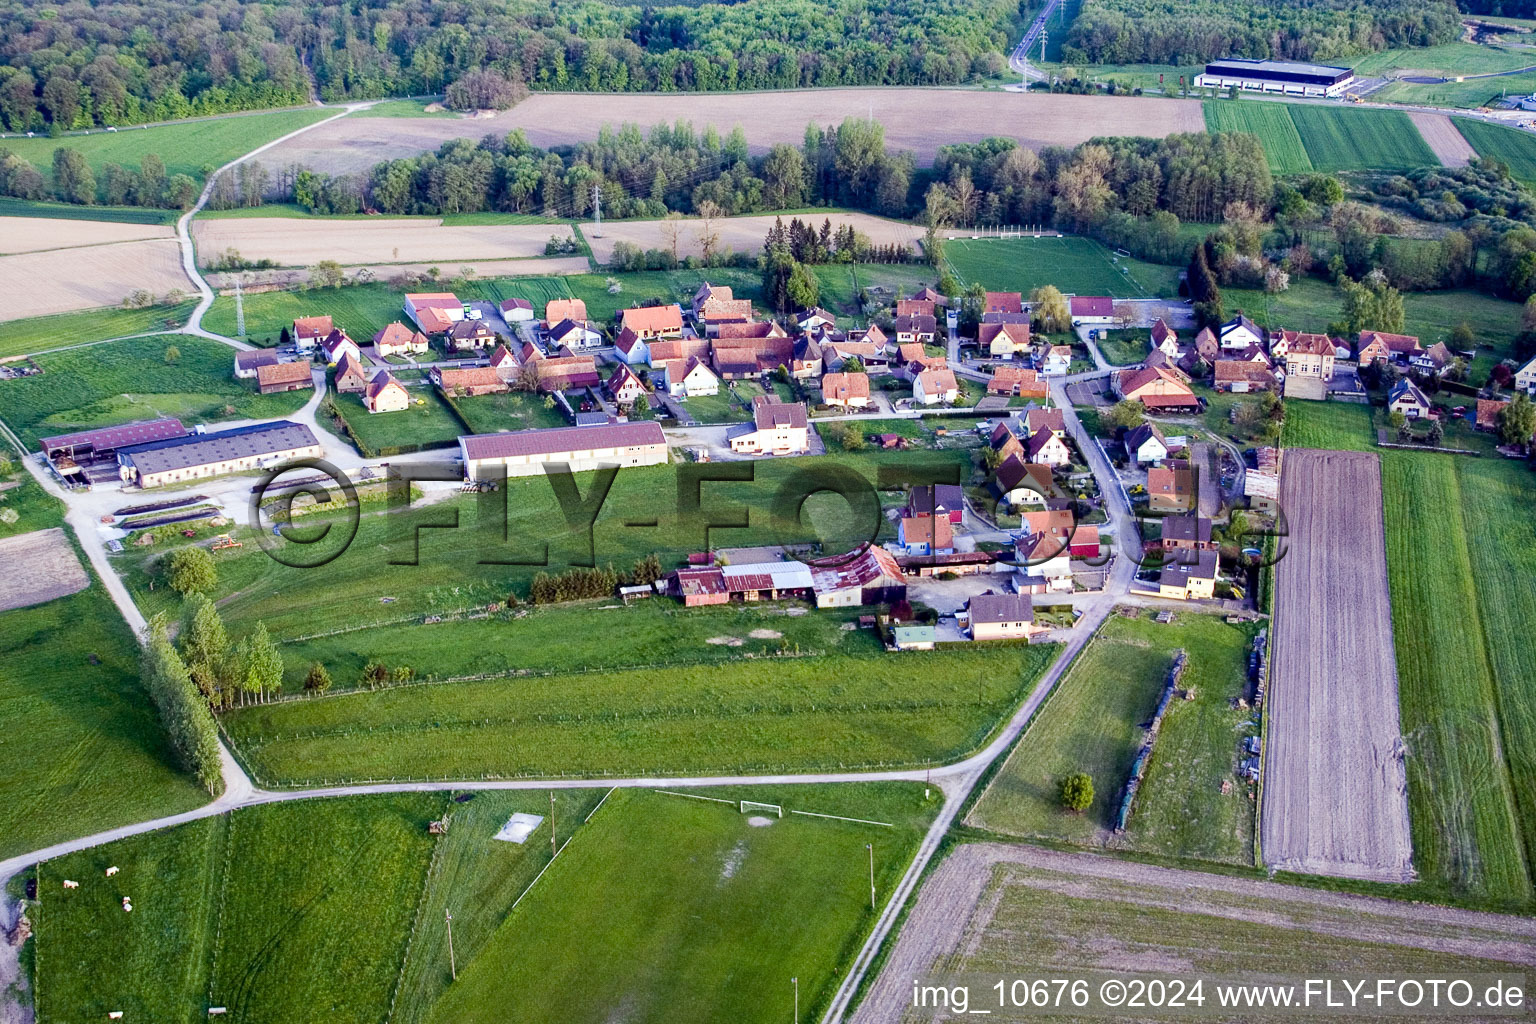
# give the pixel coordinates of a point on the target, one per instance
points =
(127, 905)
(111, 871)
(68, 884)
(115, 1015)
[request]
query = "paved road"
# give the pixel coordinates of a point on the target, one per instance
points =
(1018, 60)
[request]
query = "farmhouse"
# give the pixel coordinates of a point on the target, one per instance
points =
(814, 319)
(937, 500)
(1057, 522)
(755, 330)
(1146, 443)
(686, 378)
(434, 312)
(1002, 302)
(667, 349)
(1278, 76)
(562, 373)
(200, 455)
(778, 428)
(916, 307)
(1002, 617)
(928, 294)
(1165, 339)
(737, 358)
(1170, 489)
(1156, 388)
(1093, 309)
(806, 360)
(283, 377)
(398, 340)
(871, 577)
(309, 331)
(525, 452)
(845, 390)
(1406, 398)
(385, 394)
(247, 363)
(1003, 341)
(350, 376)
(516, 311)
(1206, 347)
(697, 587)
(933, 386)
(556, 310)
(1241, 376)
(926, 534)
(1015, 381)
(650, 322)
(1381, 347)
(91, 452)
(469, 380)
(1022, 483)
(1525, 378)
(623, 385)
(1432, 361)
(504, 363)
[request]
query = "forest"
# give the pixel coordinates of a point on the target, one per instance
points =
(75, 65)
(1194, 31)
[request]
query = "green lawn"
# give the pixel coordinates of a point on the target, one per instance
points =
(1451, 59)
(841, 284)
(1093, 723)
(515, 410)
(1076, 265)
(187, 147)
(402, 108)
(1343, 426)
(1473, 92)
(10, 207)
(1271, 122)
(131, 380)
(86, 751)
(431, 424)
(35, 508)
(1124, 348)
(1509, 145)
(40, 333)
(700, 916)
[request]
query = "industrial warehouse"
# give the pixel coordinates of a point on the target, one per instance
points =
(1276, 76)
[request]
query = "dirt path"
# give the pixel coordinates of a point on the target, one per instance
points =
(1444, 138)
(1335, 789)
(951, 907)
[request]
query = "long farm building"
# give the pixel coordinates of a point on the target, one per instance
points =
(527, 452)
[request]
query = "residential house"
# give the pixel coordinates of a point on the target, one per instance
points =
(309, 331)
(1002, 617)
(1003, 341)
(350, 377)
(687, 378)
(778, 428)
(846, 390)
(1020, 483)
(516, 311)
(1432, 361)
(916, 307)
(1525, 378)
(1193, 580)
(1309, 355)
(714, 307)
(874, 355)
(928, 294)
(1037, 419)
(1005, 441)
(1085, 542)
(919, 329)
(623, 385)
(1045, 564)
(248, 362)
(1170, 489)
(1003, 302)
(871, 577)
(1241, 333)
(1380, 347)
(1406, 397)
(434, 312)
(468, 380)
(632, 348)
(934, 386)
(1015, 381)
(756, 330)
(914, 638)
(1057, 522)
(1241, 376)
(1156, 388)
(504, 363)
(525, 452)
(575, 335)
(925, 535)
(1146, 444)
(811, 319)
(471, 334)
(806, 362)
(556, 310)
(1092, 309)
(1057, 361)
(1207, 348)
(385, 394)
(1165, 339)
(399, 340)
(1047, 448)
(276, 377)
(937, 500)
(1187, 533)
(1488, 410)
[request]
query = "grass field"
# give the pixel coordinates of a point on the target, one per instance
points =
(1093, 723)
(1509, 145)
(10, 207)
(515, 410)
(783, 712)
(35, 508)
(1450, 59)
(430, 424)
(1123, 348)
(41, 333)
(130, 380)
(1076, 265)
(1271, 122)
(85, 749)
(187, 147)
(1473, 92)
(1343, 426)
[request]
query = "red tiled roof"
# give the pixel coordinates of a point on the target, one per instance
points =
(283, 373)
(662, 319)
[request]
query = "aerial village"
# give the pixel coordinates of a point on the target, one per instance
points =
(1060, 494)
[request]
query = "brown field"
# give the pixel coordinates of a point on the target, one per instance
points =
(389, 271)
(1444, 138)
(35, 234)
(1027, 912)
(62, 280)
(920, 120)
(1335, 792)
(743, 234)
(39, 567)
(300, 243)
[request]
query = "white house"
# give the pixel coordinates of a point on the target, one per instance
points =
(1146, 444)
(933, 386)
(1525, 377)
(1240, 332)
(632, 348)
(686, 378)
(517, 311)
(1406, 398)
(1045, 563)
(1058, 360)
(1045, 448)
(575, 335)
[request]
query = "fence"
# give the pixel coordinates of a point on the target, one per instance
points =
(1144, 756)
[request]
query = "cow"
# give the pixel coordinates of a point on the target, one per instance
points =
(111, 871)
(68, 884)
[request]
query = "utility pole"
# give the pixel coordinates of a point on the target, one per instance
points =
(239, 306)
(871, 848)
(796, 982)
(1042, 44)
(552, 849)
(453, 967)
(597, 211)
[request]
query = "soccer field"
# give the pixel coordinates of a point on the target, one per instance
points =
(1078, 266)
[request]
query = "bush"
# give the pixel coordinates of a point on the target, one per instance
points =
(1077, 792)
(191, 570)
(318, 680)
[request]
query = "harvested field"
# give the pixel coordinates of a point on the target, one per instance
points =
(300, 243)
(921, 120)
(388, 271)
(63, 280)
(1441, 134)
(1335, 790)
(1016, 909)
(36, 234)
(743, 234)
(39, 567)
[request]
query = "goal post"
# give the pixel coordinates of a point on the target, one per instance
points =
(753, 805)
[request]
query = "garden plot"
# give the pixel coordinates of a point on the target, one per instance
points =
(39, 567)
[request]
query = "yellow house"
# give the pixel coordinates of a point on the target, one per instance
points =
(1002, 617)
(1189, 581)
(385, 394)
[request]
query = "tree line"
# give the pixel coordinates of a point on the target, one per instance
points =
(69, 65)
(74, 181)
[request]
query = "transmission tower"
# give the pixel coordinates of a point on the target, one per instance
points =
(597, 212)
(239, 308)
